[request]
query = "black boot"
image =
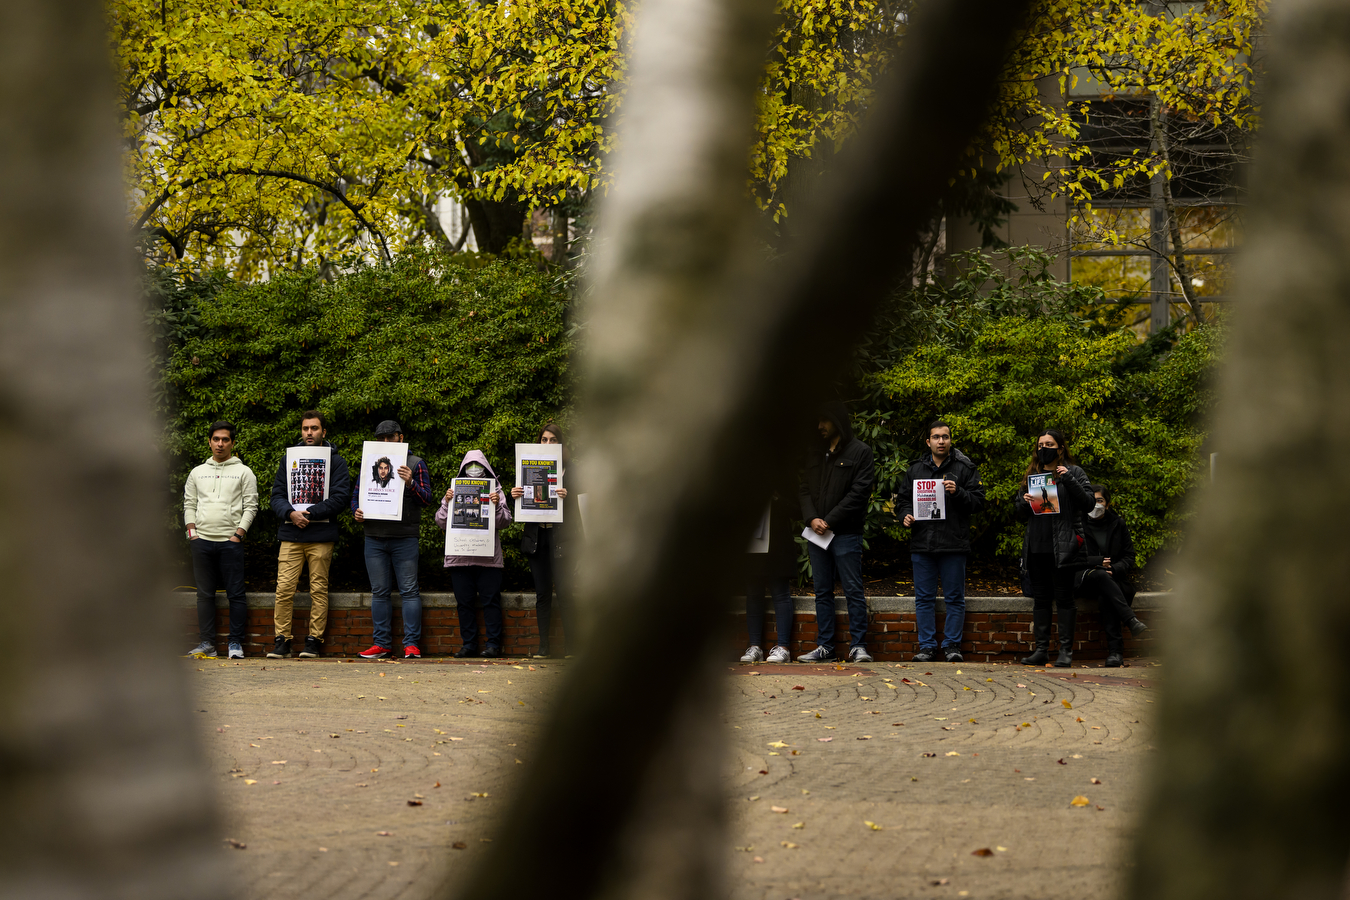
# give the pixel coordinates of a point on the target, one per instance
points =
(1040, 629)
(1067, 619)
(1136, 627)
(1114, 659)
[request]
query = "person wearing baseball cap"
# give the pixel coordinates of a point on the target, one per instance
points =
(391, 555)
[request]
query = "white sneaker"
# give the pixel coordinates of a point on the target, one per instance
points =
(236, 651)
(780, 654)
(859, 655)
(753, 655)
(205, 648)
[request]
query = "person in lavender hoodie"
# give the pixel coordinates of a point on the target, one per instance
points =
(477, 580)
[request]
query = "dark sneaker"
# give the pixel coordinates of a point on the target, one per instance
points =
(953, 654)
(925, 654)
(859, 655)
(313, 648)
(205, 649)
(466, 650)
(376, 652)
(542, 652)
(281, 649)
(1136, 627)
(818, 655)
(1114, 659)
(490, 653)
(411, 652)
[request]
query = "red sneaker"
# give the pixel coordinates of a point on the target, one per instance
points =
(376, 652)
(411, 652)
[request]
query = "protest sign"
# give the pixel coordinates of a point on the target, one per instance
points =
(759, 538)
(472, 524)
(307, 475)
(539, 474)
(1044, 494)
(930, 500)
(381, 495)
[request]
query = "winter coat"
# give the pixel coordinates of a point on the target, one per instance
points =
(1075, 500)
(219, 498)
(836, 486)
(323, 526)
(503, 511)
(567, 533)
(417, 495)
(1119, 548)
(952, 534)
(781, 560)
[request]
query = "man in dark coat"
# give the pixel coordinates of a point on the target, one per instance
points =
(307, 539)
(834, 493)
(938, 548)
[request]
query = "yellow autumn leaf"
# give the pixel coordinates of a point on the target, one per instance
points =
(1080, 800)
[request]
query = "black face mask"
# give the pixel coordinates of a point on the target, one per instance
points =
(1046, 455)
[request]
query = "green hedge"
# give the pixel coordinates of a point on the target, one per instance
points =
(462, 356)
(1001, 355)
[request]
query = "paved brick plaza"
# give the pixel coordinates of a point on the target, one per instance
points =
(311, 807)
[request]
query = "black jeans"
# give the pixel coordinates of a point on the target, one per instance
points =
(1051, 586)
(1112, 604)
(781, 594)
(475, 586)
(217, 565)
(549, 573)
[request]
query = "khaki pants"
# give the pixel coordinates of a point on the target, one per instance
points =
(290, 561)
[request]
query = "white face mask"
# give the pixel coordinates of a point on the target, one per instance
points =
(1097, 511)
(474, 470)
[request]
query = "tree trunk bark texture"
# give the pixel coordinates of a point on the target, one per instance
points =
(1250, 789)
(103, 791)
(702, 366)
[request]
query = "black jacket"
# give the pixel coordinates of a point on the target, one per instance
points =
(339, 497)
(781, 560)
(837, 486)
(1119, 548)
(570, 532)
(1075, 500)
(952, 534)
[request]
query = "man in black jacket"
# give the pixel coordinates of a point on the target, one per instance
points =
(834, 494)
(307, 538)
(938, 547)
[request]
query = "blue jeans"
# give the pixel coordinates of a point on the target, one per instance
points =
(479, 586)
(781, 593)
(219, 564)
(844, 558)
(388, 559)
(950, 570)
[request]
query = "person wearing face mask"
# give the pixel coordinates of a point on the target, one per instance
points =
(1111, 551)
(544, 544)
(477, 580)
(1053, 547)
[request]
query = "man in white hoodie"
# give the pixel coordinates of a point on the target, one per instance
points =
(220, 500)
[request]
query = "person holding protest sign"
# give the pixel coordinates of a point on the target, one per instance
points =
(546, 546)
(1053, 548)
(941, 538)
(391, 550)
(477, 580)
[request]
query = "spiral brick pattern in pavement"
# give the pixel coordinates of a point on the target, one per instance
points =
(317, 760)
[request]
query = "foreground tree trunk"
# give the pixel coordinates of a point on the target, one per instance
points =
(102, 790)
(1250, 789)
(702, 364)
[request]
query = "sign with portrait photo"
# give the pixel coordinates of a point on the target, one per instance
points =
(381, 495)
(930, 500)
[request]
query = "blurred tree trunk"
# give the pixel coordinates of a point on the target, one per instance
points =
(102, 788)
(1250, 790)
(702, 366)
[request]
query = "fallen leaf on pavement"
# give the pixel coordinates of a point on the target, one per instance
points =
(1061, 762)
(1096, 781)
(460, 845)
(414, 802)
(779, 809)
(238, 845)
(436, 785)
(1001, 849)
(983, 851)
(788, 844)
(938, 882)
(250, 781)
(759, 859)
(825, 740)
(777, 745)
(384, 834)
(800, 825)
(952, 753)
(1080, 800)
(798, 687)
(1079, 719)
(872, 825)
(278, 762)
(929, 755)
(1067, 704)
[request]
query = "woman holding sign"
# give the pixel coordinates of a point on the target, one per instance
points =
(1054, 497)
(475, 562)
(544, 544)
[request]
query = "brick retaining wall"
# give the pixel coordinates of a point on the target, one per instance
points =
(997, 628)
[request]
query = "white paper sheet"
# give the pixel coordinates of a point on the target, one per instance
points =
(820, 540)
(759, 539)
